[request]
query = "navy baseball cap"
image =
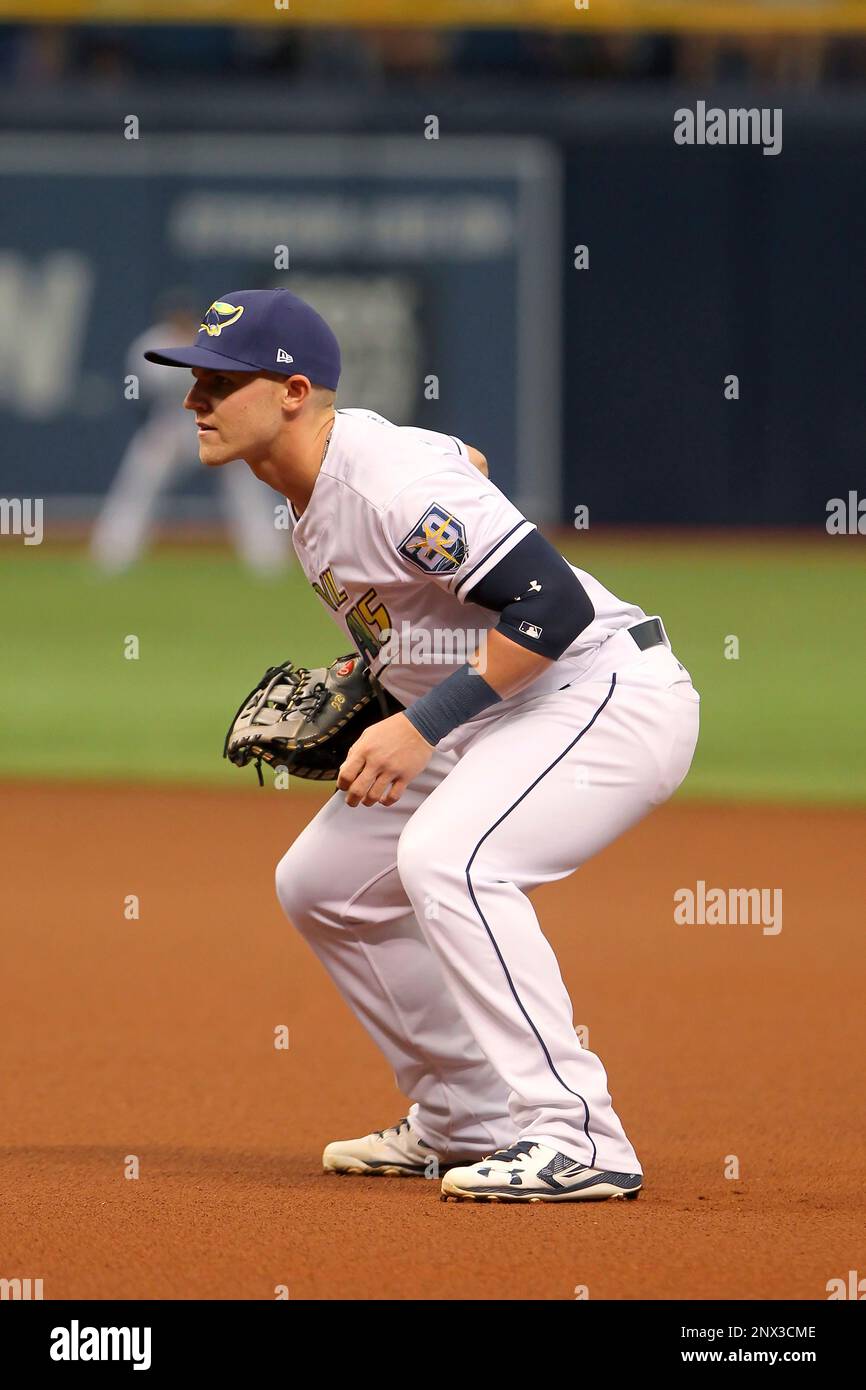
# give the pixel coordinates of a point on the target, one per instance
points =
(261, 331)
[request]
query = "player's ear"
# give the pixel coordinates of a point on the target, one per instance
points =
(295, 392)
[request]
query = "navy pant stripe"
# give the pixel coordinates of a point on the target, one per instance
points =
(486, 924)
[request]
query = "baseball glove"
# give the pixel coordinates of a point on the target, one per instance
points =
(307, 720)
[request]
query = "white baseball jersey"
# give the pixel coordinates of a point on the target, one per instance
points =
(399, 529)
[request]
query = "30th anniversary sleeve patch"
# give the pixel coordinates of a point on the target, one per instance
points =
(437, 542)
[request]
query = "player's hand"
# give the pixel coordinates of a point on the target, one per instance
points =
(383, 762)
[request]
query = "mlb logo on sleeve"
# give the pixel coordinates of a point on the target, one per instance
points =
(437, 542)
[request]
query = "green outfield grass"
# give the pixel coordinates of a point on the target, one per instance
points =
(784, 721)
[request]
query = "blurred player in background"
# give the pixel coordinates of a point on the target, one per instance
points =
(164, 448)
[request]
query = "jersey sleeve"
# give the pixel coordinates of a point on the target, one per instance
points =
(452, 526)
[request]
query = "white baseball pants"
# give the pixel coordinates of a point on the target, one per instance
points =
(419, 910)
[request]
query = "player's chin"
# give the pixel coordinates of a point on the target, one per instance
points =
(212, 452)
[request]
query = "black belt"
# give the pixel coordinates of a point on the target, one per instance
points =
(648, 634)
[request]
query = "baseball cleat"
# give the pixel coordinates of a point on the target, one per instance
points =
(530, 1172)
(393, 1152)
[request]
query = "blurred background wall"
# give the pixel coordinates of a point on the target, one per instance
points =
(426, 185)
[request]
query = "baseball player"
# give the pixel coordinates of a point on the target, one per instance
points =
(542, 716)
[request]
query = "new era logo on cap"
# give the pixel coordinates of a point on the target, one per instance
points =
(247, 331)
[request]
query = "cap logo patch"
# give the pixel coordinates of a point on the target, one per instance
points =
(220, 315)
(283, 356)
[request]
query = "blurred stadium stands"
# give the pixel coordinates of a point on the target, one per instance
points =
(108, 55)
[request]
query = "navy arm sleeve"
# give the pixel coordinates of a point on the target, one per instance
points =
(541, 602)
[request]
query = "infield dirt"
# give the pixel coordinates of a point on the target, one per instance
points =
(154, 1038)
